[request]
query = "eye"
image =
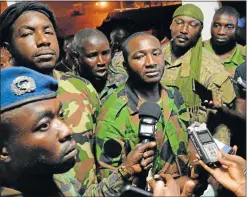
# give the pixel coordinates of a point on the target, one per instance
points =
(157, 53)
(61, 115)
(138, 57)
(230, 26)
(178, 22)
(49, 32)
(44, 126)
(91, 55)
(106, 52)
(215, 25)
(194, 24)
(26, 34)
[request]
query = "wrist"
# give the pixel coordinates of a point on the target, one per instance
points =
(241, 191)
(126, 172)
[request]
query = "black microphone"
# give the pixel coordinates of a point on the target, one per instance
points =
(149, 114)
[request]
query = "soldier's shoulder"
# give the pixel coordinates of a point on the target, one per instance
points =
(113, 104)
(173, 93)
(242, 49)
(67, 183)
(211, 62)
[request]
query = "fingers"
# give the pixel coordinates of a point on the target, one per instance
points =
(144, 147)
(147, 154)
(210, 170)
(235, 148)
(146, 162)
(160, 189)
(188, 189)
(170, 181)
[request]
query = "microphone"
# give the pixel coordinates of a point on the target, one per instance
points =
(149, 115)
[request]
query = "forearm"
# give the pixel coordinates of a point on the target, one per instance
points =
(109, 186)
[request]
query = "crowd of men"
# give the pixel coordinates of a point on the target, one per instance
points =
(70, 128)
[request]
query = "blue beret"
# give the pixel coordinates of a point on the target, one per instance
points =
(21, 85)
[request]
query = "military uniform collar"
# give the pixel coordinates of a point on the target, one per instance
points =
(134, 101)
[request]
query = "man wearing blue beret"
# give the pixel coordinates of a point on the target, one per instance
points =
(36, 144)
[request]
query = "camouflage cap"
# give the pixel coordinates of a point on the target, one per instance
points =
(189, 10)
(21, 85)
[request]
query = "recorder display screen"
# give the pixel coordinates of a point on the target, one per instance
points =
(204, 137)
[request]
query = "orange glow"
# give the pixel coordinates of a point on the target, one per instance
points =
(103, 4)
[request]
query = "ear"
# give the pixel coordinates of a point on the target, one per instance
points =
(4, 155)
(6, 50)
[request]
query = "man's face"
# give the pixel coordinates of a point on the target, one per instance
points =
(118, 36)
(95, 58)
(185, 31)
(41, 142)
(223, 29)
(145, 59)
(34, 42)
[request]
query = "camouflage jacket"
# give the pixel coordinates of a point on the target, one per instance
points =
(234, 60)
(213, 76)
(118, 122)
(81, 105)
(65, 183)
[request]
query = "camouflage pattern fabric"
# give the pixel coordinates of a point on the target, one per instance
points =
(213, 76)
(67, 185)
(81, 105)
(234, 60)
(118, 121)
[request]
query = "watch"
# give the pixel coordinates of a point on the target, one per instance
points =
(125, 173)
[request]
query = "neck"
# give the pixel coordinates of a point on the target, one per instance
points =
(151, 92)
(177, 51)
(34, 185)
(98, 84)
(223, 49)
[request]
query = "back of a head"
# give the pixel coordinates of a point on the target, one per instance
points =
(85, 34)
(126, 42)
(12, 13)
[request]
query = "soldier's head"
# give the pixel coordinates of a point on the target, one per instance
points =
(143, 58)
(34, 137)
(92, 52)
(186, 27)
(117, 37)
(28, 34)
(224, 26)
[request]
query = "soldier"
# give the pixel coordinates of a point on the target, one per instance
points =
(223, 41)
(118, 120)
(4, 59)
(92, 53)
(36, 151)
(28, 35)
(187, 63)
(67, 64)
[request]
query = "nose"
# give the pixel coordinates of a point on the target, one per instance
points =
(221, 31)
(42, 40)
(149, 60)
(64, 132)
(184, 29)
(101, 60)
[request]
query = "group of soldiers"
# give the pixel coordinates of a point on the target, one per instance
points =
(75, 133)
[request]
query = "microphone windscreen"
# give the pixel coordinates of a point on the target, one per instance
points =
(112, 148)
(150, 109)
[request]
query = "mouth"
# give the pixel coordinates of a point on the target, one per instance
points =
(102, 72)
(152, 73)
(45, 54)
(221, 39)
(72, 152)
(182, 38)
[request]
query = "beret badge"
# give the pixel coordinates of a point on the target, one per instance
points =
(22, 85)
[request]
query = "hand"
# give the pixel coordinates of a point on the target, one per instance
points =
(145, 151)
(230, 174)
(171, 188)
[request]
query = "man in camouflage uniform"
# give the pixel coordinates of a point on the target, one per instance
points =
(92, 54)
(35, 152)
(118, 120)
(223, 41)
(186, 61)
